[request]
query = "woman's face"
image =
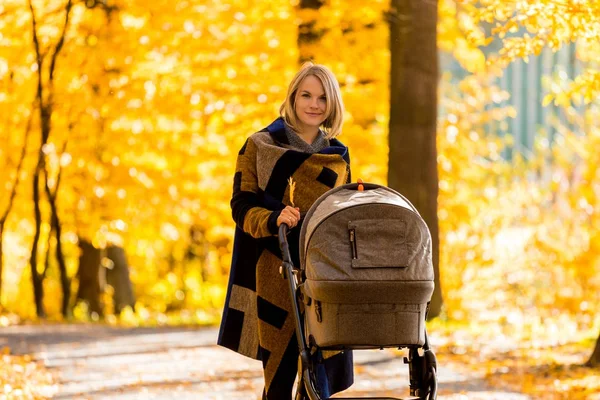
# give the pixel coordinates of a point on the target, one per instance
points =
(310, 103)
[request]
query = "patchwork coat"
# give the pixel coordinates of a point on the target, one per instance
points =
(257, 320)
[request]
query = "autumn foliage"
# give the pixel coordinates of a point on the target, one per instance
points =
(129, 115)
(149, 102)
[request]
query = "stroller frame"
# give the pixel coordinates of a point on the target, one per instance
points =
(422, 367)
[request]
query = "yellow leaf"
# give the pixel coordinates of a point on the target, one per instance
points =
(292, 188)
(547, 99)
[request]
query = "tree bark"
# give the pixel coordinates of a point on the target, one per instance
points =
(118, 278)
(36, 278)
(88, 273)
(93, 277)
(413, 112)
(594, 360)
(65, 282)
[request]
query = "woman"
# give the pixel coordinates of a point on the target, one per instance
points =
(300, 145)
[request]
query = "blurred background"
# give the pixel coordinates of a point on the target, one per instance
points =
(120, 122)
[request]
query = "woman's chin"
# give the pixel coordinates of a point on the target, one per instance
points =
(312, 122)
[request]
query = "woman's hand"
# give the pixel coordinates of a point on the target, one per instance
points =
(290, 216)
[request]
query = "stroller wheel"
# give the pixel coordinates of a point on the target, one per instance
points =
(423, 374)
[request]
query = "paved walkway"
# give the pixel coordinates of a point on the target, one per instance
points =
(100, 362)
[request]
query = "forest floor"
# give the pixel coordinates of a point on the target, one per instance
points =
(79, 361)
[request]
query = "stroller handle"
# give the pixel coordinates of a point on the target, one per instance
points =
(283, 243)
(288, 272)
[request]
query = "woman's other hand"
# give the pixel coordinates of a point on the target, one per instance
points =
(290, 216)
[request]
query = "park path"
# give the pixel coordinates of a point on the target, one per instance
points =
(101, 362)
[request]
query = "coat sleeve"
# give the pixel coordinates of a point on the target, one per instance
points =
(247, 209)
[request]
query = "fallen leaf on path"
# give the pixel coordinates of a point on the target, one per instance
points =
(24, 379)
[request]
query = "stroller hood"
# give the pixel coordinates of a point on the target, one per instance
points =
(383, 212)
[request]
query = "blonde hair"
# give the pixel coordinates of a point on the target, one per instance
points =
(334, 109)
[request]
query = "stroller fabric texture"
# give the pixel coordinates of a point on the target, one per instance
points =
(368, 268)
(257, 320)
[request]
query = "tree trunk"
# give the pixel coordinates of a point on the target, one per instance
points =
(65, 282)
(90, 285)
(37, 278)
(118, 278)
(413, 112)
(594, 360)
(45, 103)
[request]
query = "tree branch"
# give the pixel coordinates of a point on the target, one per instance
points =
(61, 41)
(38, 56)
(13, 192)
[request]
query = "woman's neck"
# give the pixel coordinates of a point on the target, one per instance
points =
(308, 135)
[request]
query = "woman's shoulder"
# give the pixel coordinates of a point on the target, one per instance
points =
(262, 137)
(269, 134)
(336, 142)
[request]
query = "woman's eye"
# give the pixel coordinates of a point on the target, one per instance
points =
(305, 95)
(323, 99)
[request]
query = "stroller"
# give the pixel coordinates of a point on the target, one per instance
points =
(365, 281)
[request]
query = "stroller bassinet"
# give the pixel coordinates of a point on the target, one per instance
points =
(366, 279)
